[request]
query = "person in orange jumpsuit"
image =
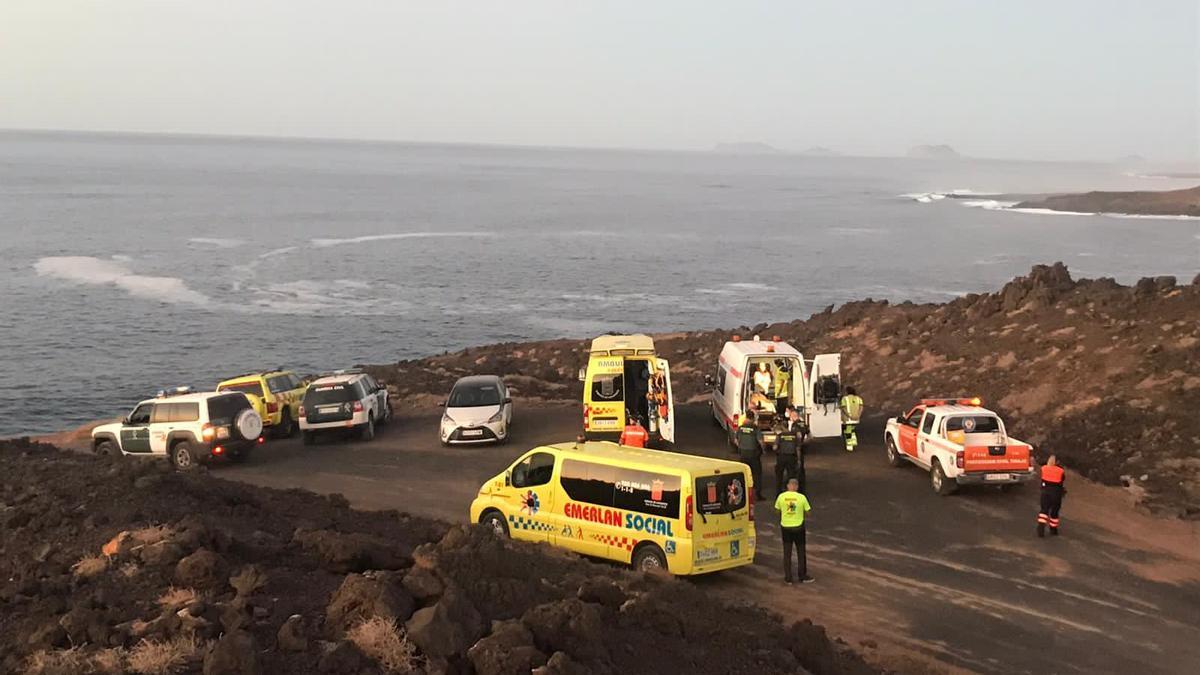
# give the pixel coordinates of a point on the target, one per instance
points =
(1053, 489)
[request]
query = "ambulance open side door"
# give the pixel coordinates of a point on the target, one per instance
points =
(824, 396)
(666, 425)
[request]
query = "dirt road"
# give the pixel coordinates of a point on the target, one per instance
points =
(915, 581)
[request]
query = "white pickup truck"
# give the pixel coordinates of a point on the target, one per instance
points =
(960, 443)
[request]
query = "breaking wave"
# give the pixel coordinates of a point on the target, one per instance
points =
(216, 241)
(97, 272)
(326, 242)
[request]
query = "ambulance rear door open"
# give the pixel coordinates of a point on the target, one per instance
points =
(823, 406)
(666, 427)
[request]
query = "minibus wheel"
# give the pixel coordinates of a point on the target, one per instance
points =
(495, 522)
(649, 558)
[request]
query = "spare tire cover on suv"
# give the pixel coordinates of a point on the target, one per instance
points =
(248, 424)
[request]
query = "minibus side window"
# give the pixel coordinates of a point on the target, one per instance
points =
(535, 470)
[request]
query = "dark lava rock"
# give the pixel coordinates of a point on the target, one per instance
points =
(293, 634)
(236, 653)
(448, 627)
(509, 650)
(202, 569)
(362, 596)
(354, 552)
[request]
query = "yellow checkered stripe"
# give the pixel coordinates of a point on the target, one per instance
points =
(523, 523)
(613, 540)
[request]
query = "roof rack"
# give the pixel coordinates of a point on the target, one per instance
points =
(175, 391)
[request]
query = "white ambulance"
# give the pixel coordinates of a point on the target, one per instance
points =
(748, 367)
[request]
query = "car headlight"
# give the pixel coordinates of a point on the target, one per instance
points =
(497, 417)
(447, 420)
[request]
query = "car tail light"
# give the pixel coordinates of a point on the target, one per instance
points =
(958, 459)
(358, 406)
(207, 432)
(687, 519)
(272, 407)
(750, 498)
(302, 413)
(218, 450)
(262, 439)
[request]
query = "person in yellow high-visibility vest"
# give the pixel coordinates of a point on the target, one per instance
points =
(852, 408)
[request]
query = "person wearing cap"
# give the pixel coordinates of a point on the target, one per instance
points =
(1053, 489)
(793, 506)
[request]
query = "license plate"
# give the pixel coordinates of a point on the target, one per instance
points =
(604, 424)
(998, 476)
(326, 409)
(707, 553)
(473, 432)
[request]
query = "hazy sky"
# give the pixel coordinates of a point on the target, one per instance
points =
(1048, 80)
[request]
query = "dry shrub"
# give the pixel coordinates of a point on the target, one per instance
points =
(75, 661)
(163, 657)
(129, 570)
(385, 642)
(90, 567)
(173, 597)
(248, 580)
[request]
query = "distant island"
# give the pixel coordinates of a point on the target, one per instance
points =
(746, 148)
(1147, 203)
(933, 152)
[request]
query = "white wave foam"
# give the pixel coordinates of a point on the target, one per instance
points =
(715, 291)
(853, 231)
(989, 204)
(1050, 212)
(1148, 216)
(215, 241)
(96, 272)
(936, 196)
(326, 242)
(744, 286)
(277, 251)
(121, 258)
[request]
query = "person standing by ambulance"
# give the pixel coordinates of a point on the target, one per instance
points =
(793, 506)
(787, 452)
(750, 452)
(1053, 489)
(852, 407)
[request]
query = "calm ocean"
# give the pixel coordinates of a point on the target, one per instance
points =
(130, 263)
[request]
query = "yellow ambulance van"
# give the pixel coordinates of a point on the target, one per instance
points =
(650, 509)
(625, 382)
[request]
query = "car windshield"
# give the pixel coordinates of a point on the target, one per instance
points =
(254, 387)
(474, 395)
(329, 393)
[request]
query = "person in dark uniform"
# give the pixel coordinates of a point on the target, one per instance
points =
(750, 452)
(787, 455)
(1053, 489)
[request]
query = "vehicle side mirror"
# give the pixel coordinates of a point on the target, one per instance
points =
(444, 403)
(508, 401)
(583, 374)
(125, 420)
(507, 478)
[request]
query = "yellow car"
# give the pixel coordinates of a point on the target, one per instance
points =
(274, 394)
(650, 509)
